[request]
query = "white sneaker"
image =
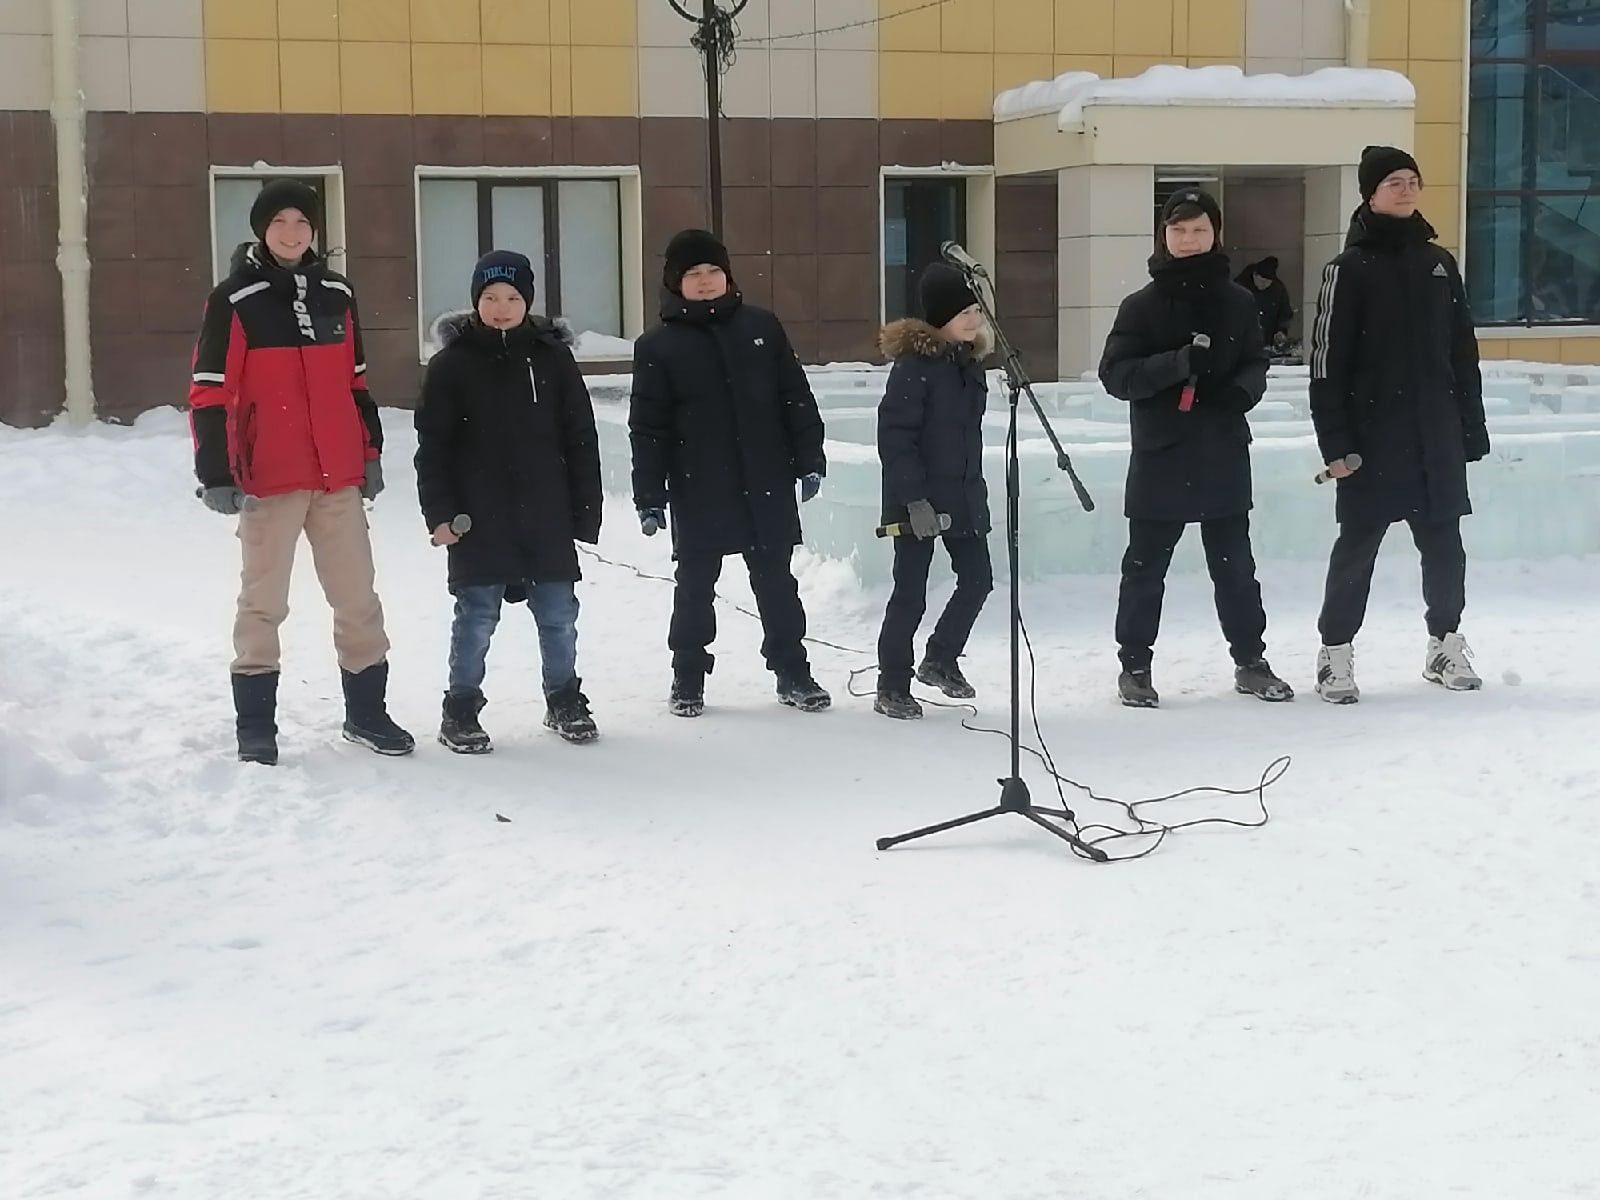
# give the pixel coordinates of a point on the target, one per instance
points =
(1449, 664)
(1336, 674)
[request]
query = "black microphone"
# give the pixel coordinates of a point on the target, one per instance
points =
(954, 252)
(903, 528)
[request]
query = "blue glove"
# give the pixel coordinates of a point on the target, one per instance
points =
(652, 520)
(810, 485)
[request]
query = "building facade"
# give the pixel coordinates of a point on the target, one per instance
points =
(858, 135)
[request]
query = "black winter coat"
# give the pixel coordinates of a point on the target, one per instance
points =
(1394, 374)
(930, 427)
(506, 434)
(1273, 306)
(722, 423)
(1195, 465)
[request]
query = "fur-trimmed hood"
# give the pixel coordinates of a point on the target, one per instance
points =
(913, 336)
(450, 328)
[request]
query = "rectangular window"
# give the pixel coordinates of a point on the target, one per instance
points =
(232, 196)
(570, 229)
(918, 216)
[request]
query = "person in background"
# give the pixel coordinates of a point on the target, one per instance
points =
(287, 438)
(723, 425)
(1261, 280)
(506, 436)
(1394, 378)
(930, 442)
(1190, 464)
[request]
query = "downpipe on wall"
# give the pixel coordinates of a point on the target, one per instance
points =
(72, 254)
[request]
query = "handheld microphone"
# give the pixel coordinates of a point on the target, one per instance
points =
(903, 528)
(460, 525)
(1186, 401)
(954, 252)
(1353, 461)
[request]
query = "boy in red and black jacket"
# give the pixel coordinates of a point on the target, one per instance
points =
(287, 437)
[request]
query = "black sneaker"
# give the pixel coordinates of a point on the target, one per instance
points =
(688, 697)
(798, 690)
(1137, 691)
(366, 720)
(567, 712)
(459, 731)
(897, 703)
(1257, 679)
(947, 677)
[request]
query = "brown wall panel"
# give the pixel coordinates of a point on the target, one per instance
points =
(747, 219)
(847, 153)
(604, 141)
(793, 143)
(312, 139)
(242, 139)
(518, 142)
(31, 372)
(746, 153)
(794, 220)
(847, 220)
(28, 223)
(169, 149)
(1026, 269)
(382, 220)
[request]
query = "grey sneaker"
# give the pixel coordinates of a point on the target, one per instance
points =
(1449, 664)
(1137, 691)
(1336, 674)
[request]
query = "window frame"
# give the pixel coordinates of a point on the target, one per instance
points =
(329, 182)
(980, 207)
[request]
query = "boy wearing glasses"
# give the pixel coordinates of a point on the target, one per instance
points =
(1394, 379)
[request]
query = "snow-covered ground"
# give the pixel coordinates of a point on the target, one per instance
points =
(680, 971)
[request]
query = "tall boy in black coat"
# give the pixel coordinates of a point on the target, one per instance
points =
(1191, 442)
(723, 425)
(506, 436)
(1394, 377)
(930, 441)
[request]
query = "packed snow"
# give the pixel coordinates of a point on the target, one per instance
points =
(679, 970)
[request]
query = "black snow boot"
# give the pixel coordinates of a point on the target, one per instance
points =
(1257, 679)
(366, 717)
(898, 703)
(567, 712)
(947, 677)
(459, 730)
(255, 701)
(1137, 691)
(798, 689)
(688, 697)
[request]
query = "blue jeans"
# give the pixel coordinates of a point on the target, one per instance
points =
(555, 611)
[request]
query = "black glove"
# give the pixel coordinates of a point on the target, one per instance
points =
(1199, 359)
(374, 480)
(810, 485)
(924, 521)
(652, 520)
(1477, 443)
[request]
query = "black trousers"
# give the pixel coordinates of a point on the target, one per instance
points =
(909, 600)
(1144, 585)
(694, 613)
(1444, 577)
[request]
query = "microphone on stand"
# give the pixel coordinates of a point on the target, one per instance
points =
(1186, 401)
(954, 252)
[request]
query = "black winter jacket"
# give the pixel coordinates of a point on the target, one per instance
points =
(1273, 305)
(1394, 374)
(1195, 465)
(930, 427)
(506, 435)
(722, 423)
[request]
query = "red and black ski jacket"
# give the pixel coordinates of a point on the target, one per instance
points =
(279, 399)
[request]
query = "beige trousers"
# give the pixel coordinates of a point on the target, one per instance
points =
(336, 526)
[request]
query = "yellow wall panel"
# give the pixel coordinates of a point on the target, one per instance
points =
(1216, 28)
(1437, 29)
(905, 29)
(308, 20)
(1390, 31)
(1143, 28)
(1126, 66)
(605, 81)
(241, 75)
(524, 22)
(1438, 91)
(966, 25)
(561, 22)
(446, 77)
(1438, 153)
(1014, 70)
(375, 77)
(1202, 60)
(1096, 64)
(516, 81)
(239, 19)
(1180, 29)
(1024, 26)
(310, 75)
(374, 21)
(1442, 207)
(907, 85)
(966, 87)
(444, 21)
(1580, 351)
(560, 80)
(1085, 26)
(609, 23)
(1492, 348)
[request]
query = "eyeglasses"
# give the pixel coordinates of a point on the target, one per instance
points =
(1412, 184)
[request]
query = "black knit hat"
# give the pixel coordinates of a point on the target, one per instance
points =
(945, 293)
(1187, 203)
(503, 266)
(1380, 162)
(690, 249)
(279, 194)
(1267, 268)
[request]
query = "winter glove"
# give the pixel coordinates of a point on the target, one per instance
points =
(374, 481)
(924, 521)
(229, 501)
(810, 485)
(1477, 443)
(652, 520)
(1199, 358)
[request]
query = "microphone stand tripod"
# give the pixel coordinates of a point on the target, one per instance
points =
(1014, 795)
